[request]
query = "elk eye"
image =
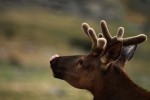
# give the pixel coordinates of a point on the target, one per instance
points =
(80, 61)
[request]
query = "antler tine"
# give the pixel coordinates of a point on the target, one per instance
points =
(105, 31)
(134, 40)
(93, 36)
(120, 32)
(101, 43)
(85, 28)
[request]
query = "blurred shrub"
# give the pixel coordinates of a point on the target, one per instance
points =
(9, 58)
(80, 43)
(14, 60)
(8, 29)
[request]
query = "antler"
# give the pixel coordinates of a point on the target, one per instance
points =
(98, 44)
(119, 36)
(104, 40)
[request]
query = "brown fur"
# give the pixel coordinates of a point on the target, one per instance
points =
(109, 84)
(118, 86)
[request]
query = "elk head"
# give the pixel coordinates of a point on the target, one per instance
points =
(85, 71)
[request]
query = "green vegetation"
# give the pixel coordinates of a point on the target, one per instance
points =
(28, 37)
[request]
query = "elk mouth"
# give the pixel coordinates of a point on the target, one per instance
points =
(57, 73)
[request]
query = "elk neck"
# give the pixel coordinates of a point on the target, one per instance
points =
(118, 86)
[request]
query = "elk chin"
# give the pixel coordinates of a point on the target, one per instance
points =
(57, 73)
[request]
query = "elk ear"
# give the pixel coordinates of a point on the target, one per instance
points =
(127, 54)
(112, 53)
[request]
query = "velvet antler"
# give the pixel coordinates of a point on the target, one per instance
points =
(98, 44)
(119, 36)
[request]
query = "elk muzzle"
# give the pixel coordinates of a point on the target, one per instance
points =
(54, 62)
(62, 65)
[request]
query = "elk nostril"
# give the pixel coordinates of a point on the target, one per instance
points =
(52, 62)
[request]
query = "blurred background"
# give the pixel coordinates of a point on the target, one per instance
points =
(33, 30)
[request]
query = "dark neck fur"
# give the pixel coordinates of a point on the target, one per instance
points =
(118, 86)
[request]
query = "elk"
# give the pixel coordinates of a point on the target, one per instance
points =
(101, 71)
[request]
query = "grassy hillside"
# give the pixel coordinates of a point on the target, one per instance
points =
(28, 37)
